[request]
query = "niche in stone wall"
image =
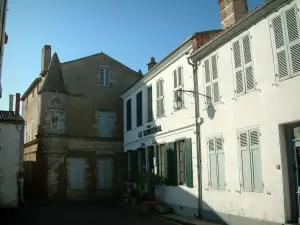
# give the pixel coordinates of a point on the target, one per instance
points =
(55, 115)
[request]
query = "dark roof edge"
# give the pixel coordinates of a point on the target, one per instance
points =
(253, 17)
(101, 53)
(32, 85)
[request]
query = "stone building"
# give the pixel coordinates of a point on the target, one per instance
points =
(74, 126)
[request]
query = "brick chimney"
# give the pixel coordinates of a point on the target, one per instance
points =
(232, 11)
(46, 57)
(151, 64)
(17, 105)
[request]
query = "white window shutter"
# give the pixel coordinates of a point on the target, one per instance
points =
(257, 182)
(220, 163)
(102, 77)
(107, 77)
(207, 77)
(292, 24)
(215, 79)
(239, 76)
(248, 67)
(162, 98)
(280, 48)
(246, 172)
(180, 76)
(175, 79)
(213, 181)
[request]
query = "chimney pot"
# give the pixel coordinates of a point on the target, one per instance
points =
(11, 102)
(46, 57)
(151, 64)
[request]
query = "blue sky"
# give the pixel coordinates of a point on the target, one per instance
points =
(131, 31)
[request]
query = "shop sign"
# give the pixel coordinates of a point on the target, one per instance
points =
(149, 131)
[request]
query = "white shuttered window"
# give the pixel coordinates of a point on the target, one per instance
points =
(160, 108)
(178, 86)
(286, 35)
(251, 179)
(104, 77)
(216, 163)
(211, 79)
(243, 65)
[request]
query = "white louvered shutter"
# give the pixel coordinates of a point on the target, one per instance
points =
(239, 76)
(280, 47)
(215, 79)
(162, 107)
(157, 100)
(257, 183)
(245, 165)
(220, 163)
(248, 67)
(207, 77)
(213, 181)
(293, 39)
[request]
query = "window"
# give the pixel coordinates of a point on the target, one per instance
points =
(104, 79)
(216, 163)
(287, 43)
(31, 130)
(250, 160)
(160, 108)
(178, 86)
(150, 110)
(139, 109)
(54, 124)
(128, 114)
(243, 66)
(211, 80)
(176, 166)
(107, 124)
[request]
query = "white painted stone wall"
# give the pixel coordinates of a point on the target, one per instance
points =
(175, 125)
(273, 103)
(11, 161)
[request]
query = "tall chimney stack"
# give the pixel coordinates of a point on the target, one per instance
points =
(17, 105)
(46, 57)
(11, 102)
(151, 64)
(232, 11)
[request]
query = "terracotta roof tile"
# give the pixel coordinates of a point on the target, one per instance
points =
(10, 116)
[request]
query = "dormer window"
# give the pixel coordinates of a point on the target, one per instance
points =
(104, 77)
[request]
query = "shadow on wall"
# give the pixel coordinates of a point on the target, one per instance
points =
(34, 180)
(185, 203)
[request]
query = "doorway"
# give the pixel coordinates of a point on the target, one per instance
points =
(293, 165)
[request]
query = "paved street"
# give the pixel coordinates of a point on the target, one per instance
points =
(77, 213)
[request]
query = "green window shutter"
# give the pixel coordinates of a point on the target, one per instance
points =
(256, 160)
(220, 163)
(188, 162)
(173, 166)
(245, 165)
(157, 160)
(166, 175)
(134, 164)
(213, 181)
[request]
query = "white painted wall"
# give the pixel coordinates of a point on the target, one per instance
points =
(175, 125)
(11, 160)
(267, 107)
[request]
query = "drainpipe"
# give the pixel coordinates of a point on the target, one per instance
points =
(198, 136)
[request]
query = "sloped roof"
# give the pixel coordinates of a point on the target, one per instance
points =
(10, 116)
(54, 80)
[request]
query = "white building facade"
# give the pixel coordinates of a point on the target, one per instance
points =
(250, 172)
(160, 135)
